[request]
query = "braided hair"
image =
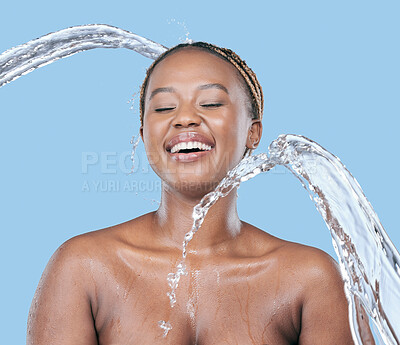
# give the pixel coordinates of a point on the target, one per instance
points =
(253, 87)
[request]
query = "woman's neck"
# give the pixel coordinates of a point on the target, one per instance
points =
(174, 219)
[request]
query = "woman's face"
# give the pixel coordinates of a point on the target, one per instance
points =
(196, 124)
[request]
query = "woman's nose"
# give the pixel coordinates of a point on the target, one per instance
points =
(186, 117)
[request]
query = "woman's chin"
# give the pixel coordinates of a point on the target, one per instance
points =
(195, 188)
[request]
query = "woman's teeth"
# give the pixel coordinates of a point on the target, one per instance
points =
(190, 145)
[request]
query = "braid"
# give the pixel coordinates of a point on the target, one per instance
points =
(253, 86)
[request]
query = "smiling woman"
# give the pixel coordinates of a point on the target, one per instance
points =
(201, 109)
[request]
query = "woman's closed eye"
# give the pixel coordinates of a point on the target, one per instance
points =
(164, 109)
(211, 105)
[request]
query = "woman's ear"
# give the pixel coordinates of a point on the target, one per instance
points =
(254, 134)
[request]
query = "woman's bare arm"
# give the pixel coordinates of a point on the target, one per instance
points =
(61, 308)
(324, 317)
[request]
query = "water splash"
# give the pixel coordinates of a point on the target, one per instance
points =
(173, 280)
(368, 259)
(132, 101)
(166, 326)
(182, 39)
(42, 51)
(369, 262)
(134, 142)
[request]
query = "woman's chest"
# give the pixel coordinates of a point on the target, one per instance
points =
(212, 307)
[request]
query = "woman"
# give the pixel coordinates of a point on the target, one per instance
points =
(201, 109)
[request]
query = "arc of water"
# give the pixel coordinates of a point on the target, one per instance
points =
(39, 52)
(368, 259)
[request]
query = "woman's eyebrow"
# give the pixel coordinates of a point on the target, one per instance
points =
(161, 89)
(213, 85)
(201, 87)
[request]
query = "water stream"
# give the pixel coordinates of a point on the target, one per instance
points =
(44, 50)
(369, 262)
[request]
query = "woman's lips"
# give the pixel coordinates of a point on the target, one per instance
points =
(193, 140)
(187, 137)
(188, 157)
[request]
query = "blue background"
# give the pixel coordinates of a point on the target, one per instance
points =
(329, 70)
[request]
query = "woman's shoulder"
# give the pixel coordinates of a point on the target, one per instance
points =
(103, 242)
(311, 264)
(302, 260)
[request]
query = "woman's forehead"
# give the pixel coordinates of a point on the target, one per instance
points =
(191, 63)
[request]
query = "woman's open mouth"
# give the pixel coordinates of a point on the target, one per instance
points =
(189, 146)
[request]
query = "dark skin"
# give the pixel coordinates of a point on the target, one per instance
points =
(244, 286)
